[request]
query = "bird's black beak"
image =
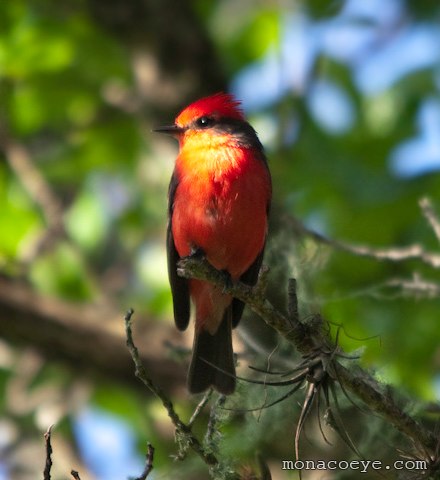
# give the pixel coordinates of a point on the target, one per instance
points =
(169, 129)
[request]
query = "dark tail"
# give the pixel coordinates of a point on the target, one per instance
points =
(212, 363)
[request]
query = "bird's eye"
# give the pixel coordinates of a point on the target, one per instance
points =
(204, 122)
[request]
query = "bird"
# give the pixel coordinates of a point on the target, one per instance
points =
(219, 200)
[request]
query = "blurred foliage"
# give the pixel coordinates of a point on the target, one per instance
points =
(69, 94)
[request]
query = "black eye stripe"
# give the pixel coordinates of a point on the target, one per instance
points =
(239, 130)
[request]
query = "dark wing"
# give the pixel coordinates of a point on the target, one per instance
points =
(250, 278)
(179, 285)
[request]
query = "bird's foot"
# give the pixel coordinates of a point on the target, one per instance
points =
(227, 280)
(196, 253)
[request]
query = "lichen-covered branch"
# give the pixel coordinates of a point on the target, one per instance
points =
(305, 336)
(310, 337)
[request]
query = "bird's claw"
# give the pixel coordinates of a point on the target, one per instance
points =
(227, 280)
(196, 253)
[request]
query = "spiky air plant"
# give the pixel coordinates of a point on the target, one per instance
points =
(317, 374)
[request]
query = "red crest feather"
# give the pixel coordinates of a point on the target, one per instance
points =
(218, 105)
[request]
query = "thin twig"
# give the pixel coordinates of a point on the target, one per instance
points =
(21, 163)
(41, 193)
(212, 430)
(416, 287)
(200, 406)
(148, 463)
(394, 254)
(430, 215)
(181, 428)
(48, 464)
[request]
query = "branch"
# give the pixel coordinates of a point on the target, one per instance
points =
(148, 463)
(40, 192)
(365, 387)
(394, 254)
(182, 430)
(200, 406)
(48, 464)
(184, 436)
(35, 184)
(308, 338)
(416, 286)
(431, 216)
(88, 338)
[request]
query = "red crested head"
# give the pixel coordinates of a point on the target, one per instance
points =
(220, 105)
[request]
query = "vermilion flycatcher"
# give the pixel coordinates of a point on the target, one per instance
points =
(219, 200)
